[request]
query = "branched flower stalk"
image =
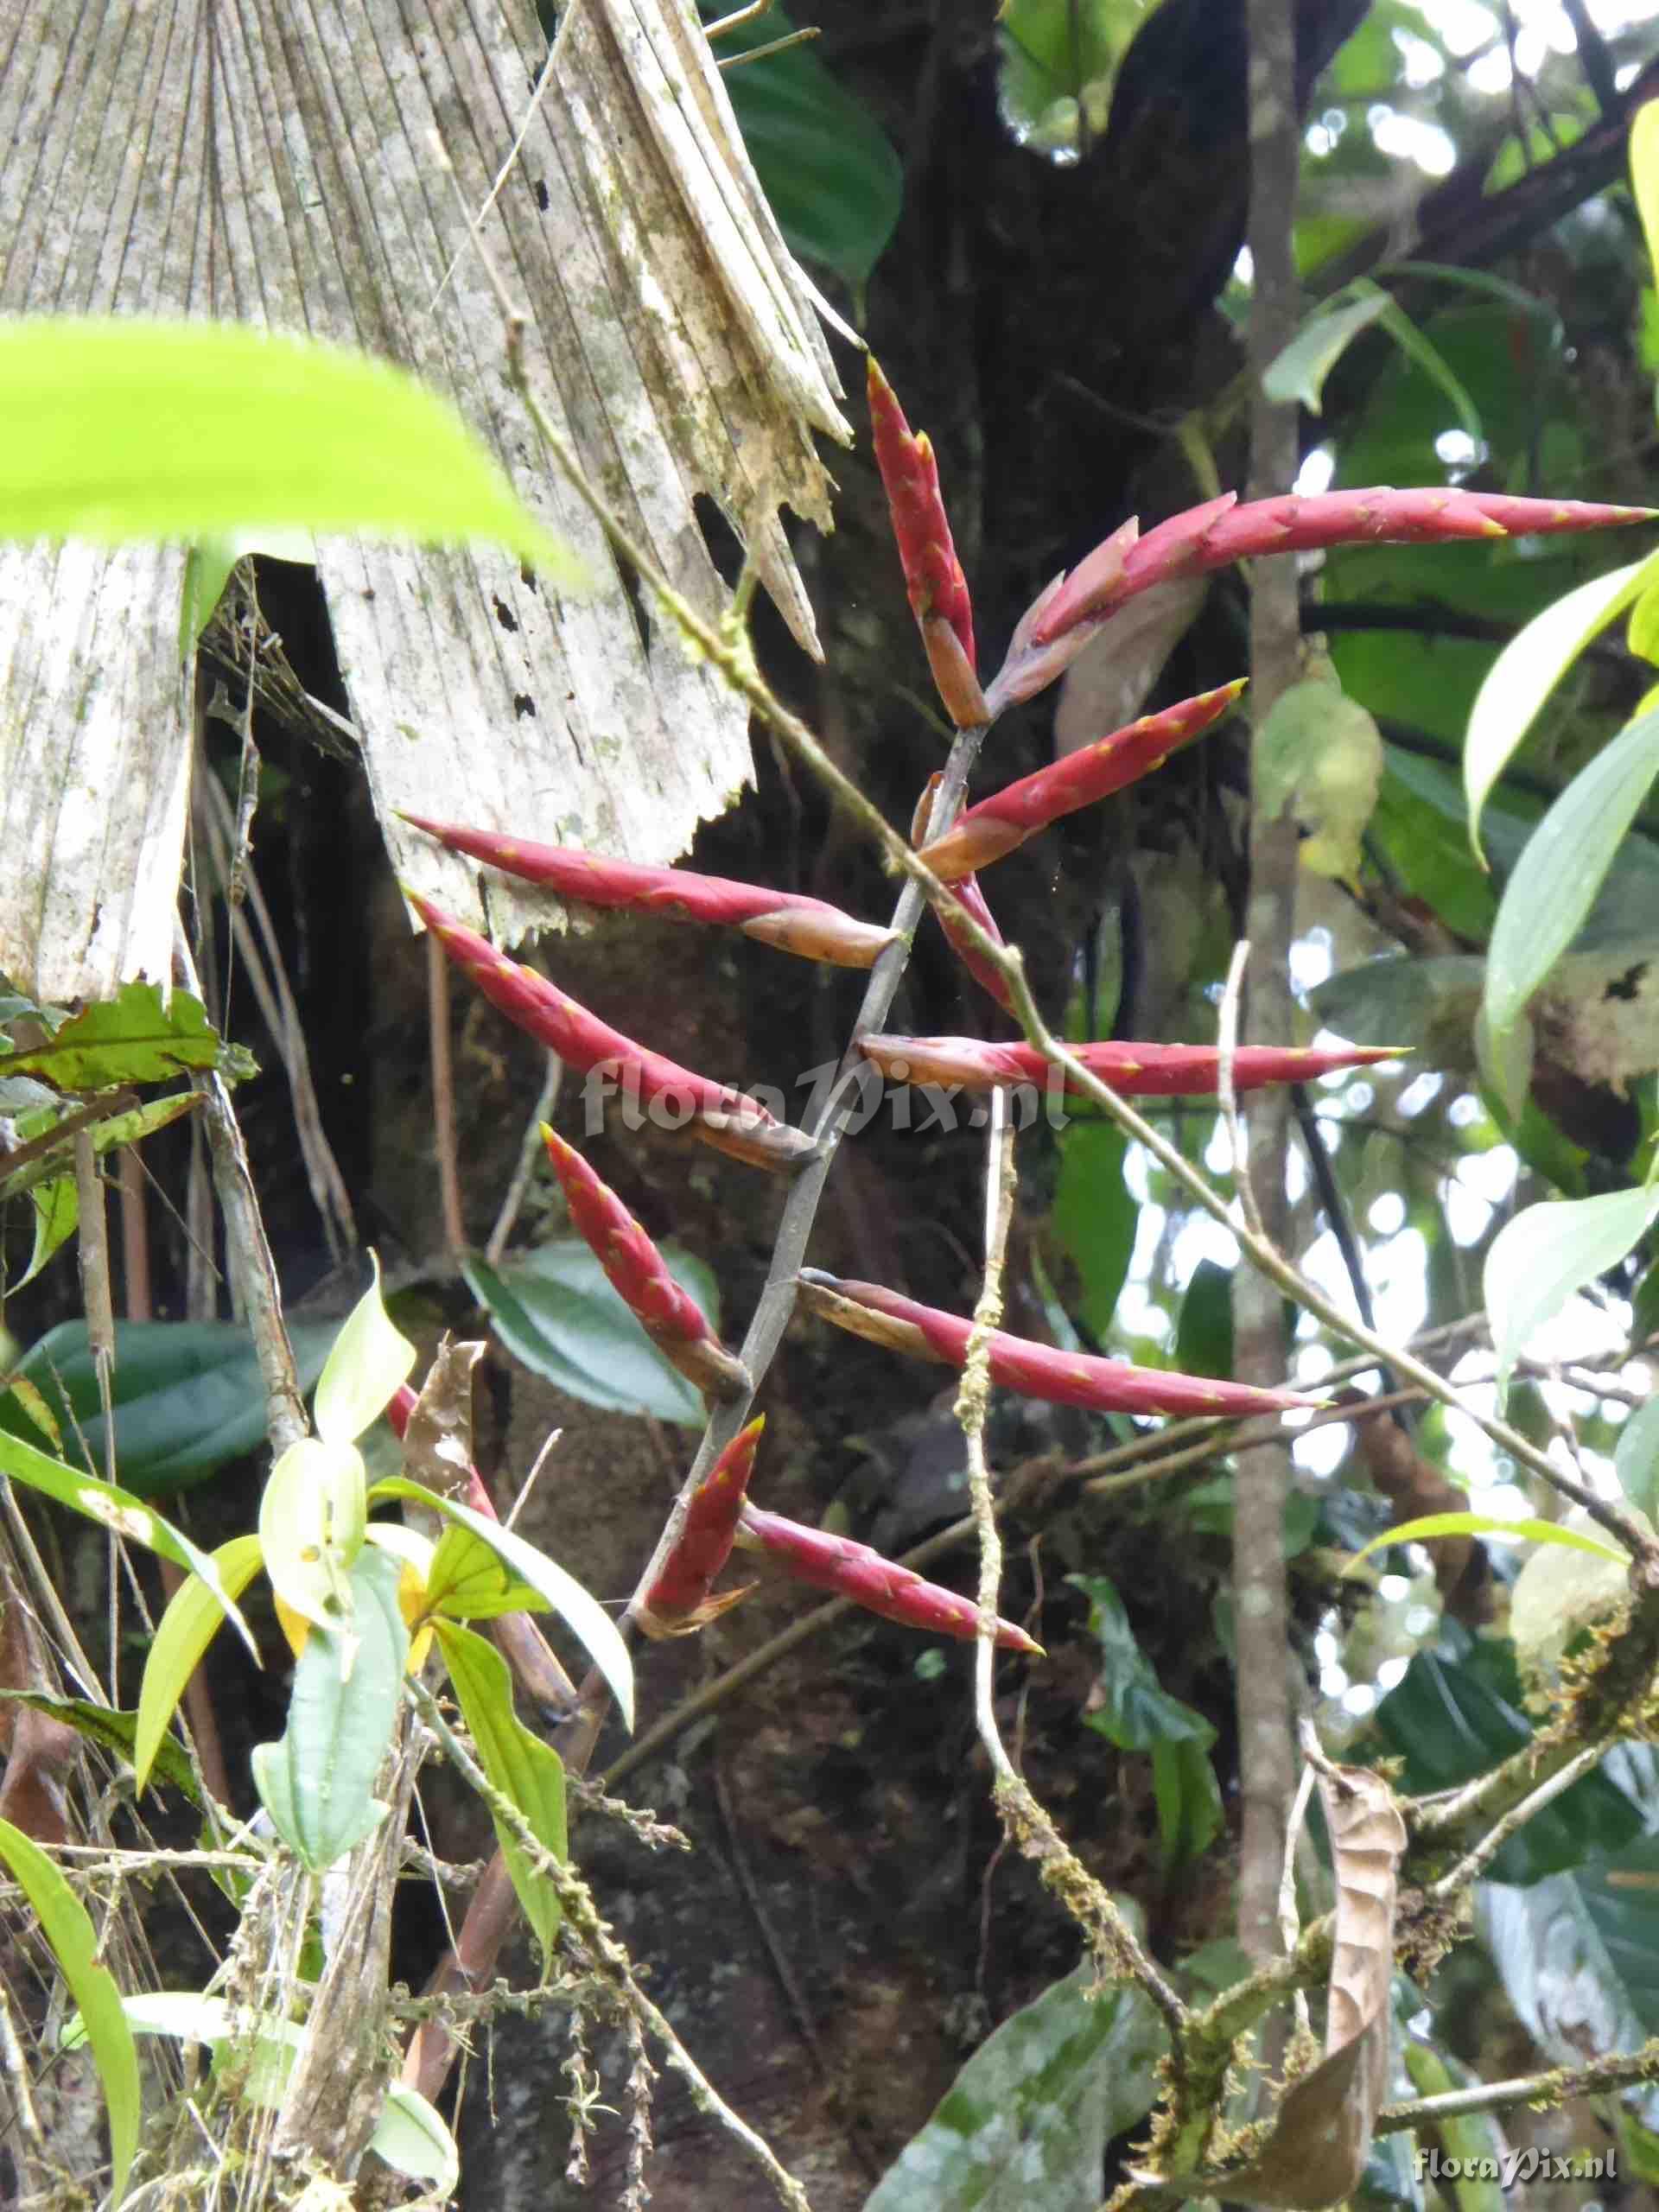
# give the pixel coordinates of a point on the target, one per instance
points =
(1045, 640)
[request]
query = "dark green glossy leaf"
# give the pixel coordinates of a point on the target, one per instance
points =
(1027, 2120)
(1190, 1812)
(555, 1309)
(317, 1782)
(1457, 1712)
(829, 176)
(1135, 1713)
(1204, 1334)
(132, 1038)
(1094, 1217)
(187, 1396)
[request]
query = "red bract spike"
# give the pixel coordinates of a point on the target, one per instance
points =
(1134, 1071)
(1211, 536)
(1090, 586)
(670, 1316)
(583, 1041)
(879, 1584)
(789, 920)
(933, 577)
(678, 1602)
(985, 974)
(1067, 1378)
(984, 833)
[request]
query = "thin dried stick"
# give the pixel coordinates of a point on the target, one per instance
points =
(443, 1097)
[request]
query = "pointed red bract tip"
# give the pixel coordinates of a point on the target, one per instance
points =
(933, 578)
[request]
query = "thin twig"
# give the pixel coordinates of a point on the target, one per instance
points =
(530, 1152)
(443, 1097)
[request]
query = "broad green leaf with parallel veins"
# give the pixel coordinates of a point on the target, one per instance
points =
(523, 1769)
(1547, 1253)
(1429, 1525)
(1554, 887)
(555, 1309)
(118, 1511)
(1026, 2121)
(370, 1362)
(193, 1618)
(1298, 373)
(1528, 670)
(241, 430)
(317, 1782)
(188, 1396)
(73, 1942)
(564, 1593)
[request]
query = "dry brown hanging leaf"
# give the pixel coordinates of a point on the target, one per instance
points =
(188, 159)
(1322, 2135)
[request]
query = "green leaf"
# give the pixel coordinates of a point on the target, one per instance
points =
(1547, 1253)
(136, 1038)
(1486, 1524)
(522, 1767)
(313, 1517)
(188, 1396)
(118, 1129)
(1298, 373)
(1402, 999)
(68, 1930)
(1190, 1814)
(1635, 1458)
(469, 1581)
(1577, 1954)
(116, 1731)
(409, 2134)
(1456, 1712)
(370, 1362)
(1027, 2120)
(1474, 2137)
(564, 1593)
(241, 430)
(1204, 1334)
(1094, 1217)
(57, 1211)
(1420, 349)
(828, 174)
(317, 1782)
(1528, 670)
(1644, 173)
(557, 1311)
(1319, 757)
(1556, 880)
(1134, 1713)
(193, 1618)
(118, 1509)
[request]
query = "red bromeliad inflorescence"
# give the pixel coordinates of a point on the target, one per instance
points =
(729, 1119)
(880, 1585)
(934, 582)
(985, 973)
(1134, 1071)
(998, 825)
(678, 1601)
(1071, 609)
(1034, 1370)
(670, 1317)
(788, 919)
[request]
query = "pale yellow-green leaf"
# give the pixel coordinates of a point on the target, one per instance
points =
(369, 1362)
(306, 1510)
(1319, 757)
(1429, 1525)
(526, 1771)
(193, 1618)
(1644, 173)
